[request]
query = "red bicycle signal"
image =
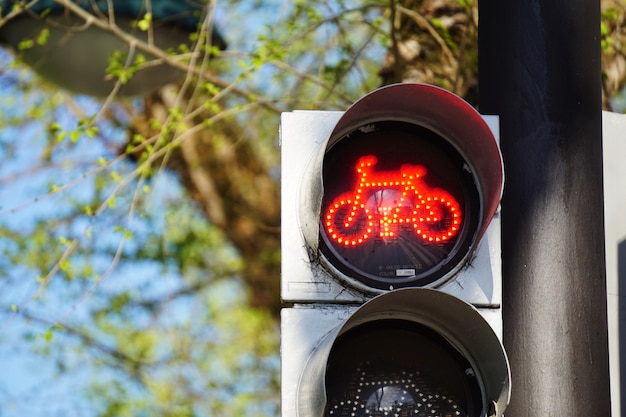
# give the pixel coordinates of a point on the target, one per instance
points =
(411, 176)
(384, 203)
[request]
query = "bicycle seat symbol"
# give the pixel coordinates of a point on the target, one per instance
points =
(383, 203)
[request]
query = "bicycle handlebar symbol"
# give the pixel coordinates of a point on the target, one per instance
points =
(384, 202)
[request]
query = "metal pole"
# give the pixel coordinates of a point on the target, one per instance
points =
(539, 69)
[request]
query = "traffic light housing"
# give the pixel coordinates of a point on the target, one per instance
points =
(389, 248)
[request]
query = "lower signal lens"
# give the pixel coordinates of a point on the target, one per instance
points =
(396, 368)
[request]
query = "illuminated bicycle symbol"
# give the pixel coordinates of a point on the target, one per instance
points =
(384, 202)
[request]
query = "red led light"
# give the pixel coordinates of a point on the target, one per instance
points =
(384, 203)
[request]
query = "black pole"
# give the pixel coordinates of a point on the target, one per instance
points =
(539, 69)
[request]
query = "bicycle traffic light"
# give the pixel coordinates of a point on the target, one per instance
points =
(391, 259)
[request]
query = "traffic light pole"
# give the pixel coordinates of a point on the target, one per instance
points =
(540, 71)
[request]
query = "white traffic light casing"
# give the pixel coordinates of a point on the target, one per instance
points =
(307, 275)
(392, 204)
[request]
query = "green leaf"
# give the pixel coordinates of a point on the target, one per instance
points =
(25, 44)
(144, 24)
(116, 176)
(43, 37)
(48, 335)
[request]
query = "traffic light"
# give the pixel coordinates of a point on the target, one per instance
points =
(59, 40)
(391, 259)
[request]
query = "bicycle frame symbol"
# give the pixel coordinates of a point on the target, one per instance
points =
(382, 203)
